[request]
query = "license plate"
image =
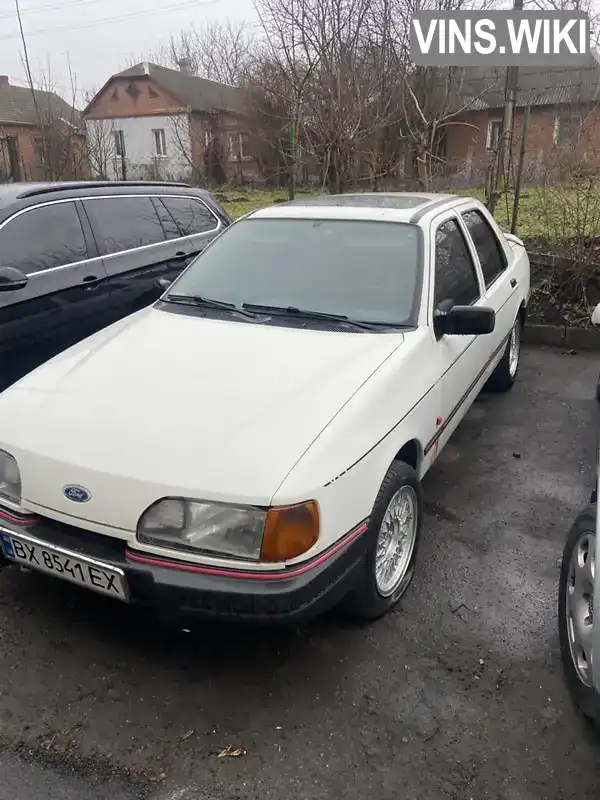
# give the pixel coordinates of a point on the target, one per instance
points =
(64, 564)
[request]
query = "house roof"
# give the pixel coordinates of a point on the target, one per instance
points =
(482, 88)
(17, 106)
(199, 94)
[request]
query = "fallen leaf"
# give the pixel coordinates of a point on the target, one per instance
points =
(232, 752)
(187, 735)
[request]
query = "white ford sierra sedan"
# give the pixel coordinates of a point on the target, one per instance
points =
(252, 445)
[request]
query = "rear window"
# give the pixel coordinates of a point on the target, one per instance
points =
(368, 271)
(191, 215)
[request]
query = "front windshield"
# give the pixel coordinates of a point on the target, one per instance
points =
(367, 271)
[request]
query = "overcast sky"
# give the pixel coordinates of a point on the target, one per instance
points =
(98, 36)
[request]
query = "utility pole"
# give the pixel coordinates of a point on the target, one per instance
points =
(292, 176)
(27, 63)
(504, 146)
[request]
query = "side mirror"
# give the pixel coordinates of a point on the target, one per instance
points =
(465, 320)
(596, 316)
(162, 284)
(11, 279)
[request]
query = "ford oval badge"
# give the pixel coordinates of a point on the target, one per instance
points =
(76, 493)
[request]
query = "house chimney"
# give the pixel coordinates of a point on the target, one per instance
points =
(185, 65)
(4, 80)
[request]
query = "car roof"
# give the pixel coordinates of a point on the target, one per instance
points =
(382, 206)
(13, 192)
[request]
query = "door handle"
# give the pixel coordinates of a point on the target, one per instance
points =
(91, 282)
(513, 282)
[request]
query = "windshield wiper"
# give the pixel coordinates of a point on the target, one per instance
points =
(308, 314)
(204, 302)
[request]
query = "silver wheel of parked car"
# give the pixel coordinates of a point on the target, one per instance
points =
(580, 606)
(514, 348)
(396, 540)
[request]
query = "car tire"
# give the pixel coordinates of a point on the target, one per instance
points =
(504, 376)
(379, 589)
(579, 543)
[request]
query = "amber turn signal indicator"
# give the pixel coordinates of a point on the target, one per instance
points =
(290, 531)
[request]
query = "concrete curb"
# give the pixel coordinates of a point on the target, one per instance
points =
(575, 338)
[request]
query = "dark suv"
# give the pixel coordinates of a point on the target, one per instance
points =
(75, 257)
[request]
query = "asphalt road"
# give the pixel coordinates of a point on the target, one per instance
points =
(458, 694)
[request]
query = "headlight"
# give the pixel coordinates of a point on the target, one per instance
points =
(208, 527)
(243, 532)
(10, 479)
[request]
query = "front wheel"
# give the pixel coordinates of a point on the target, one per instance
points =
(393, 534)
(576, 613)
(503, 377)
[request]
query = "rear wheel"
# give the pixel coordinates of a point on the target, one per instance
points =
(503, 377)
(576, 613)
(393, 533)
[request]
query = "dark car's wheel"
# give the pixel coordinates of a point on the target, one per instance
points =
(393, 535)
(576, 613)
(503, 377)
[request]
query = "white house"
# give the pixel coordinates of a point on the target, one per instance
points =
(149, 122)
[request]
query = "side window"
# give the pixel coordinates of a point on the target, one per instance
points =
(455, 275)
(122, 223)
(43, 238)
(170, 228)
(491, 255)
(191, 215)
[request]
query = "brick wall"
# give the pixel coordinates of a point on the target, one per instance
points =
(25, 135)
(467, 140)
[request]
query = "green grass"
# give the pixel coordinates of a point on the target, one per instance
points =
(242, 201)
(541, 214)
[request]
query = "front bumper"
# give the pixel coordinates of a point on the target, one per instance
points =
(179, 592)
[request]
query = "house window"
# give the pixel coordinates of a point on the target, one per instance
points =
(120, 143)
(40, 155)
(239, 146)
(160, 143)
(567, 129)
(133, 90)
(494, 132)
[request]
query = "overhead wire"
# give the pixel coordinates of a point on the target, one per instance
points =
(108, 20)
(39, 9)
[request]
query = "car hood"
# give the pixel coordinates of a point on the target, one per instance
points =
(166, 403)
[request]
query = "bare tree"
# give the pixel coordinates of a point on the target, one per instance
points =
(100, 144)
(61, 143)
(330, 62)
(219, 51)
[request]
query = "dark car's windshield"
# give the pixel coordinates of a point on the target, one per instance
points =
(368, 271)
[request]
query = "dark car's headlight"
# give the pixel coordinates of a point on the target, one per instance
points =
(244, 532)
(10, 479)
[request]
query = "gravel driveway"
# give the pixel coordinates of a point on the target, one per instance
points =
(458, 694)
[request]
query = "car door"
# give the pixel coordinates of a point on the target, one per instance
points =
(497, 264)
(456, 281)
(131, 239)
(65, 288)
(138, 246)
